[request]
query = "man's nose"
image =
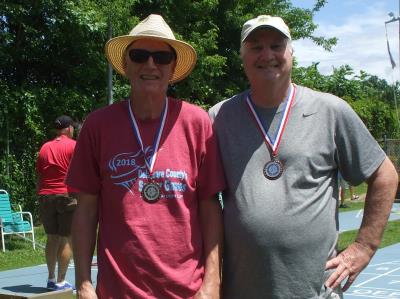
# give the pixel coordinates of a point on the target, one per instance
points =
(150, 62)
(266, 52)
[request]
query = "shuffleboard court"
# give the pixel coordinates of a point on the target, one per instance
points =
(32, 280)
(381, 279)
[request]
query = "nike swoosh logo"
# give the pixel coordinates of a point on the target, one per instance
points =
(308, 114)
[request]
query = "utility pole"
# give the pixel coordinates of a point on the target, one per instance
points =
(109, 68)
(7, 148)
(394, 19)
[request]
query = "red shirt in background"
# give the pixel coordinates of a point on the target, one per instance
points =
(52, 165)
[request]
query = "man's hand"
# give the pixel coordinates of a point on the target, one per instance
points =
(208, 293)
(382, 186)
(86, 291)
(212, 230)
(349, 263)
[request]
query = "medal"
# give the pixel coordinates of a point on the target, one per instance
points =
(151, 192)
(273, 169)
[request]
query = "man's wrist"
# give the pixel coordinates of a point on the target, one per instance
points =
(369, 248)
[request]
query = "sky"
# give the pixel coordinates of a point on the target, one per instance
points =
(359, 26)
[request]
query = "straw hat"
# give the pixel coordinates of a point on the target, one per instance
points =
(153, 27)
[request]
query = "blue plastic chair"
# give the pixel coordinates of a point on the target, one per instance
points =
(12, 222)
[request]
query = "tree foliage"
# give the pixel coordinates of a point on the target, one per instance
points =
(52, 62)
(372, 98)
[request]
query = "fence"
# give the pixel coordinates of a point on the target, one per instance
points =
(392, 149)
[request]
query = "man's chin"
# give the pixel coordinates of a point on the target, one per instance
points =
(153, 87)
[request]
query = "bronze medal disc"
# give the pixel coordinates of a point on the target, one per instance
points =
(151, 192)
(273, 169)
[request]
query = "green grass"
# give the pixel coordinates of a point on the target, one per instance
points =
(360, 189)
(19, 253)
(352, 205)
(390, 236)
(355, 205)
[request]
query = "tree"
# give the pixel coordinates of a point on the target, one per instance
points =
(369, 96)
(52, 62)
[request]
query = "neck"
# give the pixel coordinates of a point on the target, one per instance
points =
(271, 95)
(63, 132)
(147, 107)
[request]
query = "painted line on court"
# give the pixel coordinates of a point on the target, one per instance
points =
(372, 279)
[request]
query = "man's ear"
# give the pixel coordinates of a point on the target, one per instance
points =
(71, 131)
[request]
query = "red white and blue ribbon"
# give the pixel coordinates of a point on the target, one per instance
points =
(156, 143)
(273, 143)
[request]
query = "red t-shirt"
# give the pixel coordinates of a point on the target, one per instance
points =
(148, 250)
(52, 165)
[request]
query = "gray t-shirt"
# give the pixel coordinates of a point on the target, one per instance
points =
(280, 233)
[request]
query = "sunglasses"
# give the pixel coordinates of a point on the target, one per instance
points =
(159, 57)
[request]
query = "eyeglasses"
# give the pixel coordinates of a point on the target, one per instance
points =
(159, 57)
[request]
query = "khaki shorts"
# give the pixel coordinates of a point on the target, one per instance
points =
(56, 211)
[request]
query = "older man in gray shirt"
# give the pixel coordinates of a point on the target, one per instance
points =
(282, 147)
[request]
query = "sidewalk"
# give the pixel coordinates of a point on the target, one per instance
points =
(352, 220)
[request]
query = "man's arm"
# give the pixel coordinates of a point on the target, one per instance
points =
(212, 231)
(84, 229)
(381, 191)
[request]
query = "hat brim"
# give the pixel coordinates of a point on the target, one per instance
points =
(186, 56)
(266, 26)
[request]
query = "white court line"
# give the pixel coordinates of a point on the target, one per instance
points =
(384, 274)
(385, 263)
(366, 296)
(370, 274)
(372, 288)
(360, 213)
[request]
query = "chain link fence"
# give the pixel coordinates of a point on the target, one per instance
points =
(392, 149)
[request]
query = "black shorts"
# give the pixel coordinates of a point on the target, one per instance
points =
(56, 211)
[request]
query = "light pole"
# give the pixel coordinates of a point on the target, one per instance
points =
(109, 68)
(394, 19)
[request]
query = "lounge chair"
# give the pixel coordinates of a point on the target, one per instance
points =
(14, 222)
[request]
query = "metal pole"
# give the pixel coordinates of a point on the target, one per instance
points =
(395, 89)
(109, 69)
(385, 144)
(395, 100)
(8, 149)
(394, 19)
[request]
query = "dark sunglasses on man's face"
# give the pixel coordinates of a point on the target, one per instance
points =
(159, 57)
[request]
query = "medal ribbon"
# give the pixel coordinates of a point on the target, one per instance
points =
(136, 132)
(274, 144)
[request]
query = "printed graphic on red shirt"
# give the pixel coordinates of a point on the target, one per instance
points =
(129, 170)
